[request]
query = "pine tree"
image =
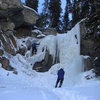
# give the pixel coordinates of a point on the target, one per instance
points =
(32, 4)
(55, 11)
(94, 5)
(66, 15)
(84, 8)
(45, 7)
(75, 12)
(46, 14)
(44, 19)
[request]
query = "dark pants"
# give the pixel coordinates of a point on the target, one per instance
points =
(34, 50)
(60, 81)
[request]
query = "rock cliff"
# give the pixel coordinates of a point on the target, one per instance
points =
(13, 17)
(90, 39)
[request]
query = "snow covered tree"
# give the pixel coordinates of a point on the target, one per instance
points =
(32, 4)
(55, 11)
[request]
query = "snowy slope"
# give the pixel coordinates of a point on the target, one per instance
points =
(41, 87)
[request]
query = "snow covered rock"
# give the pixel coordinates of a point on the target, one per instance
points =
(89, 74)
(30, 15)
(37, 33)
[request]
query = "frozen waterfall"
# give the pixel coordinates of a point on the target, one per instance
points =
(65, 46)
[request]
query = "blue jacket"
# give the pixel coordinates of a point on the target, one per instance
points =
(34, 45)
(60, 73)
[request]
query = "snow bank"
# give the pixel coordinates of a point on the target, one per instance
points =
(30, 9)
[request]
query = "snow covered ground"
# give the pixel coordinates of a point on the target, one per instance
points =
(28, 84)
(41, 87)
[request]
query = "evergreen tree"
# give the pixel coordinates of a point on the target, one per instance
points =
(32, 4)
(75, 12)
(45, 7)
(66, 15)
(44, 19)
(55, 11)
(84, 8)
(94, 5)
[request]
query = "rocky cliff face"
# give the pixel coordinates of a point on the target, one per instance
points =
(13, 16)
(90, 39)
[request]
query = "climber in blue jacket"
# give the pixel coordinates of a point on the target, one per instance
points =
(60, 77)
(34, 47)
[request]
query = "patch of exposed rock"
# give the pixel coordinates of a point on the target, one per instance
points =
(45, 64)
(5, 4)
(5, 64)
(90, 39)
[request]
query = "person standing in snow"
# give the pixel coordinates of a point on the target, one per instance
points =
(34, 48)
(60, 77)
